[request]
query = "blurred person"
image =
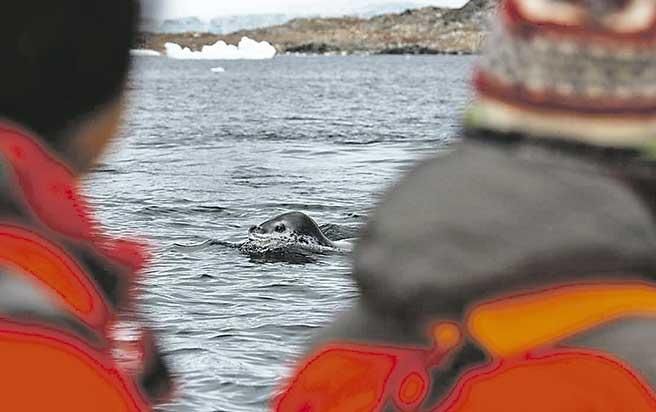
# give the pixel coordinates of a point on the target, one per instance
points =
(69, 338)
(517, 272)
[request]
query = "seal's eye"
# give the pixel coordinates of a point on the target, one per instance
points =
(280, 228)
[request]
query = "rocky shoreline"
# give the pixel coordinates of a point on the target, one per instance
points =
(429, 30)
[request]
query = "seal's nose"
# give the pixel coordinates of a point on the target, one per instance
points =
(254, 229)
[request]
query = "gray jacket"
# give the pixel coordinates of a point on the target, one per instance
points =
(491, 219)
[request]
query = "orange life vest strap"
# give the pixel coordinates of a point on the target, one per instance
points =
(516, 324)
(46, 263)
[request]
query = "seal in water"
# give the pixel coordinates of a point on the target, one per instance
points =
(292, 237)
(296, 228)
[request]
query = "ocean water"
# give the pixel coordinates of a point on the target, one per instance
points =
(206, 154)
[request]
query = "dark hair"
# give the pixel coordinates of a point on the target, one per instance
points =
(62, 60)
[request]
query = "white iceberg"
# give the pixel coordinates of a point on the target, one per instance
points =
(145, 52)
(217, 70)
(246, 50)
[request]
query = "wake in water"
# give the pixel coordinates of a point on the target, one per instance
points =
(292, 237)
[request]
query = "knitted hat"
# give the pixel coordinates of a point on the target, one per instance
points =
(577, 69)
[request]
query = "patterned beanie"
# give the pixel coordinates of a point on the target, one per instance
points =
(571, 69)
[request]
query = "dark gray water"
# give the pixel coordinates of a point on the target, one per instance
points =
(205, 155)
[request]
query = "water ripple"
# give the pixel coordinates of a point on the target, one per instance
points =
(203, 159)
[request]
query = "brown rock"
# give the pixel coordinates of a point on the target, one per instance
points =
(427, 30)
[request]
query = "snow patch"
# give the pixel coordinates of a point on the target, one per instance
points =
(247, 49)
(217, 70)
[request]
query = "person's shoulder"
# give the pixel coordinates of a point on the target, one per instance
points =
(485, 217)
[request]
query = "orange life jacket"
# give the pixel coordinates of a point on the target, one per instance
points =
(47, 236)
(526, 370)
(45, 369)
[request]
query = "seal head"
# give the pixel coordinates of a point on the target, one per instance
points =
(293, 226)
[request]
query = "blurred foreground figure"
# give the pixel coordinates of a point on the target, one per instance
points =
(69, 340)
(517, 272)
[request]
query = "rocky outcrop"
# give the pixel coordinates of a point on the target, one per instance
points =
(426, 30)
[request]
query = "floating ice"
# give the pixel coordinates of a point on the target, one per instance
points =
(217, 70)
(247, 50)
(145, 52)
